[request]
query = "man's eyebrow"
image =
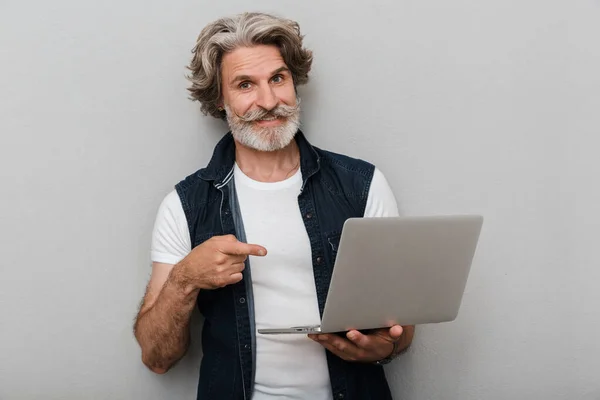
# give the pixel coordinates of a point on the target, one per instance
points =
(241, 78)
(280, 69)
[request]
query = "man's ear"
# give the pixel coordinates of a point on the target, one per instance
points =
(221, 109)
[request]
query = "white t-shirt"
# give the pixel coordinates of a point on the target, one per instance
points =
(287, 366)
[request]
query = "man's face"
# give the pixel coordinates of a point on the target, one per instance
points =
(259, 97)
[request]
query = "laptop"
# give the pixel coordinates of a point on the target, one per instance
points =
(397, 270)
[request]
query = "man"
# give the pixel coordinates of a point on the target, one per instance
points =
(270, 200)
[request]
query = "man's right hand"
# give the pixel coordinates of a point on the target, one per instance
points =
(217, 262)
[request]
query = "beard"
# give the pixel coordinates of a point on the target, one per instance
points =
(268, 138)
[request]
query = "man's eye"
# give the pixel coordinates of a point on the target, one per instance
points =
(245, 85)
(277, 79)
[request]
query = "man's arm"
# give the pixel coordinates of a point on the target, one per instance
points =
(162, 324)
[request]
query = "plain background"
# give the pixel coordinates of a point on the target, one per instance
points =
(467, 106)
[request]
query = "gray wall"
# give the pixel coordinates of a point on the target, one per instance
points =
(467, 107)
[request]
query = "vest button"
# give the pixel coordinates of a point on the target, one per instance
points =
(308, 215)
(242, 300)
(319, 260)
(340, 395)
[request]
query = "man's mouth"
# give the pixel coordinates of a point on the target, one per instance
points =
(271, 118)
(269, 122)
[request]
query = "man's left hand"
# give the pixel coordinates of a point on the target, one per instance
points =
(372, 347)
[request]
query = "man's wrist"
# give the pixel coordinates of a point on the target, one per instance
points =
(181, 280)
(391, 356)
(400, 346)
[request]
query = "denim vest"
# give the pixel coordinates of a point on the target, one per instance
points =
(334, 188)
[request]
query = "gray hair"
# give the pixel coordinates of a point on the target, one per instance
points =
(244, 30)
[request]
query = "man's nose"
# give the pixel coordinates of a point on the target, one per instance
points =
(266, 98)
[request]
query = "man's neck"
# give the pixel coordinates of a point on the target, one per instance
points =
(268, 166)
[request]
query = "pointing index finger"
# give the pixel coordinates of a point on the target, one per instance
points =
(243, 249)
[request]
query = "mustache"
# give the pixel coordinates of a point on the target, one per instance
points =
(277, 112)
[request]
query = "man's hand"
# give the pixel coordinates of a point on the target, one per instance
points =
(372, 347)
(216, 263)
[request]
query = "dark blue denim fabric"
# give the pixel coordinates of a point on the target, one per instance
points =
(334, 188)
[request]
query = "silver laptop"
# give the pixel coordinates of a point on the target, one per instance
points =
(397, 270)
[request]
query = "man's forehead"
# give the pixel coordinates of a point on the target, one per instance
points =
(255, 60)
